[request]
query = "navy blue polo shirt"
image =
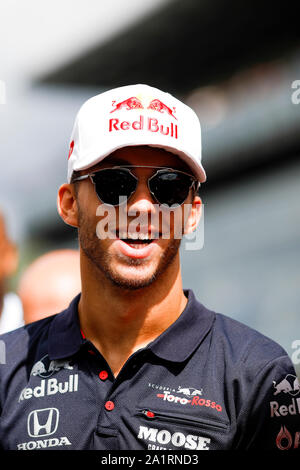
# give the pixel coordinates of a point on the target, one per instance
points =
(207, 383)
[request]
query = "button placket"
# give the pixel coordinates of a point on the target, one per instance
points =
(103, 375)
(109, 405)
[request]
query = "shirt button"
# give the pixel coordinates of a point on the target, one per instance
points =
(109, 405)
(103, 375)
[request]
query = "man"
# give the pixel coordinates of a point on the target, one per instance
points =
(11, 314)
(135, 362)
(49, 284)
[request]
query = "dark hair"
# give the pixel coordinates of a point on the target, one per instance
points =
(75, 175)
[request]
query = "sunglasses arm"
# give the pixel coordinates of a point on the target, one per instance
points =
(80, 178)
(196, 184)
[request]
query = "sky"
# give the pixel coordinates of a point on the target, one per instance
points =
(36, 36)
(35, 122)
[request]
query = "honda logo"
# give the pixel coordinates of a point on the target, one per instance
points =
(42, 422)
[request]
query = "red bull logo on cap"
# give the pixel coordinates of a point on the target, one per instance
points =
(159, 106)
(130, 103)
(144, 122)
(135, 103)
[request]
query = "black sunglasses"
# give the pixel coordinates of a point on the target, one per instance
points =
(167, 186)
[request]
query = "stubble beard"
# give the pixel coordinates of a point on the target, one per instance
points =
(101, 260)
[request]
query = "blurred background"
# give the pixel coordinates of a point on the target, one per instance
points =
(236, 64)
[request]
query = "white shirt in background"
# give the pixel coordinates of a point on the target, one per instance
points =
(12, 313)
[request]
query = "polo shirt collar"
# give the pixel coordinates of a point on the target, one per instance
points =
(65, 338)
(183, 336)
(180, 340)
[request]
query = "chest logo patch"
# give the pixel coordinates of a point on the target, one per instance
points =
(45, 368)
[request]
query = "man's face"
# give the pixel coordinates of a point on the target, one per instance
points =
(128, 263)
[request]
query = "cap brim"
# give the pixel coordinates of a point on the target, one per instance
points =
(196, 168)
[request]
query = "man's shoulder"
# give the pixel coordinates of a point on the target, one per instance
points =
(245, 343)
(30, 328)
(15, 344)
(236, 335)
(234, 340)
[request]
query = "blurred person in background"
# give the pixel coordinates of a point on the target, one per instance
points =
(11, 315)
(49, 284)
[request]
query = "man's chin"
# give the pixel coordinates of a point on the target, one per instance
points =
(124, 272)
(132, 278)
(131, 282)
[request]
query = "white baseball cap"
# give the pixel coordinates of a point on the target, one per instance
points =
(134, 115)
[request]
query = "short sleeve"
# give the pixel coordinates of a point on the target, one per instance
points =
(269, 418)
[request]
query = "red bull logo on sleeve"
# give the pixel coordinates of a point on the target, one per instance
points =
(290, 384)
(286, 440)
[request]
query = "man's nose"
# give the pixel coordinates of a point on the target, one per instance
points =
(141, 201)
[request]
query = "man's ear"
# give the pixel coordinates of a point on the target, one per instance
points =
(194, 215)
(67, 204)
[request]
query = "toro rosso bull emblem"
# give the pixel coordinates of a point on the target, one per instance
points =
(190, 391)
(44, 370)
(135, 103)
(290, 384)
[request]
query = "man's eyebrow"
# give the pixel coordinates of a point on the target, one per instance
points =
(119, 161)
(116, 161)
(108, 163)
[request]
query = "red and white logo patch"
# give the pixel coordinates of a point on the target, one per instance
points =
(136, 103)
(71, 149)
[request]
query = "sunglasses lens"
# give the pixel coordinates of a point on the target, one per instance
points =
(167, 187)
(111, 184)
(170, 187)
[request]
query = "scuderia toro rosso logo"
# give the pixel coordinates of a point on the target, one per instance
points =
(144, 122)
(186, 396)
(192, 400)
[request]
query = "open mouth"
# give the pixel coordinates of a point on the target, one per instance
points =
(137, 240)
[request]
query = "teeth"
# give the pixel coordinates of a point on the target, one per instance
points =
(137, 236)
(133, 236)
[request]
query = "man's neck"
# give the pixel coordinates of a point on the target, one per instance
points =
(111, 316)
